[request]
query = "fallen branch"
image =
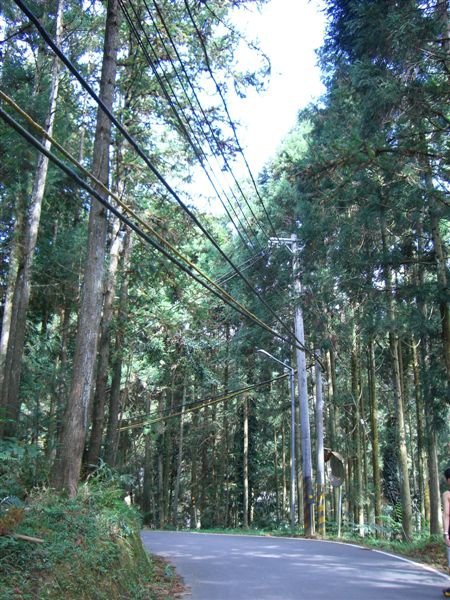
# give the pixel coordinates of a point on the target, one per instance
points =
(27, 538)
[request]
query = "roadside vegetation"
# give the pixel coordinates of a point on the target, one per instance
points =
(85, 547)
(132, 320)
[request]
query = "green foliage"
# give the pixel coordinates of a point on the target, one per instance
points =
(91, 548)
(22, 466)
(368, 158)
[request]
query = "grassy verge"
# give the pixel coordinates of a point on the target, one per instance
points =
(424, 549)
(91, 551)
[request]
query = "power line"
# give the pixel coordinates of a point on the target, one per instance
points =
(208, 402)
(186, 269)
(188, 78)
(233, 127)
(150, 165)
(177, 116)
(196, 403)
(153, 66)
(226, 277)
(200, 154)
(126, 208)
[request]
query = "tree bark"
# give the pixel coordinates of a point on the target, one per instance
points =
(320, 450)
(113, 434)
(432, 454)
(148, 484)
(433, 499)
(375, 437)
(95, 442)
(440, 254)
(10, 397)
(195, 523)
(67, 468)
(245, 467)
(421, 453)
(179, 460)
(14, 259)
(160, 428)
(333, 419)
(398, 399)
(358, 472)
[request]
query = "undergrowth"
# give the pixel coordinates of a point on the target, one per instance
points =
(91, 548)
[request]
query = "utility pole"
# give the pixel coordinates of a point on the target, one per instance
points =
(305, 435)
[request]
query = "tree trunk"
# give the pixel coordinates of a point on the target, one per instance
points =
(433, 499)
(433, 473)
(55, 417)
(442, 277)
(193, 508)
(68, 464)
(320, 450)
(437, 213)
(95, 442)
(148, 484)
(245, 467)
(160, 464)
(421, 453)
(225, 488)
(358, 472)
(14, 259)
(432, 454)
(168, 453)
(10, 398)
(333, 419)
(112, 434)
(374, 432)
(179, 460)
(398, 398)
(401, 439)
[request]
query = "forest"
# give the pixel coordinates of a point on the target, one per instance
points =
(133, 318)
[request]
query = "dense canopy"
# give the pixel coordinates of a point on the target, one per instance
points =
(131, 318)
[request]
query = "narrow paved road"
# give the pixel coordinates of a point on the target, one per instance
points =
(226, 567)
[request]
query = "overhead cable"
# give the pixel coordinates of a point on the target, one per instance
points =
(197, 402)
(198, 151)
(46, 36)
(207, 121)
(216, 284)
(225, 105)
(204, 404)
(186, 268)
(126, 208)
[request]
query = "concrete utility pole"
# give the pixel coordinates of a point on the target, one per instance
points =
(305, 435)
(292, 387)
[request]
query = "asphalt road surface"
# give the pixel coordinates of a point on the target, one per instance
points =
(230, 567)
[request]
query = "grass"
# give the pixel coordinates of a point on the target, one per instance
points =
(91, 551)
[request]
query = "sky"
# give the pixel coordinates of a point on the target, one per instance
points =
(289, 32)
